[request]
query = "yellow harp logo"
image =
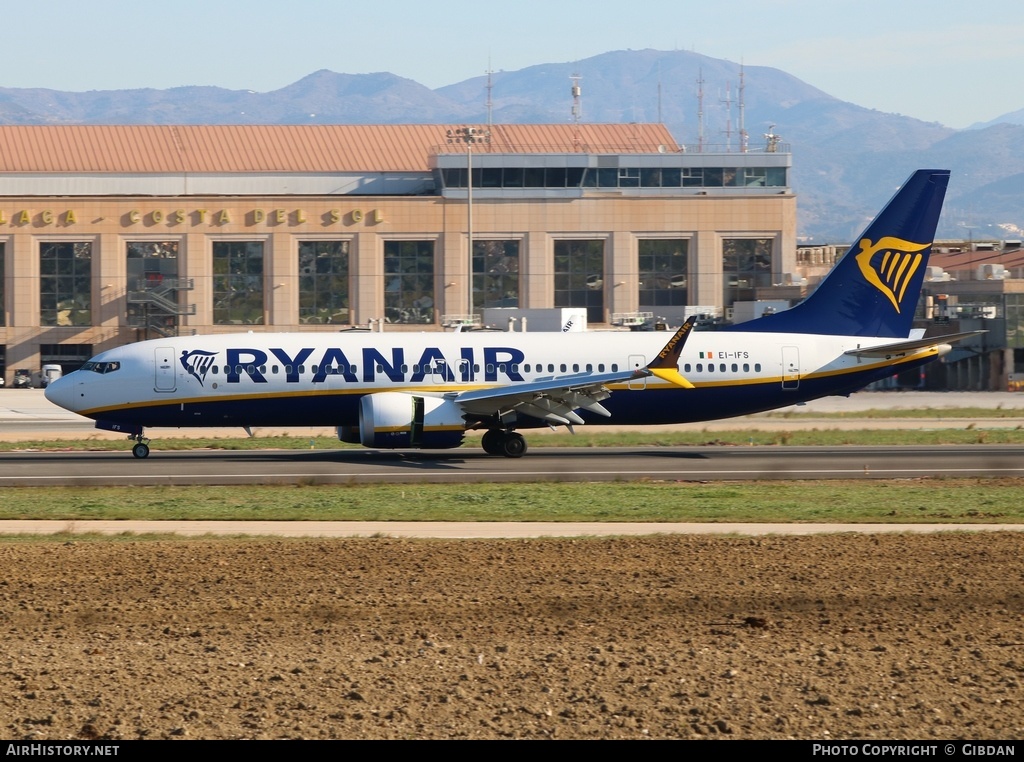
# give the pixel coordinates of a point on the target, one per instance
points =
(890, 264)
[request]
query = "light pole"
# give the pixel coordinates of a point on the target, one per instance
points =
(469, 136)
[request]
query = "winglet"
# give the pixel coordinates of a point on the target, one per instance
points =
(666, 365)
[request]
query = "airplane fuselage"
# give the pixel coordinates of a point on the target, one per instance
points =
(318, 379)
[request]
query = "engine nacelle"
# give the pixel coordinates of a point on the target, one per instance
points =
(394, 419)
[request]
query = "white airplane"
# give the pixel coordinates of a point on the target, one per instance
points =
(425, 390)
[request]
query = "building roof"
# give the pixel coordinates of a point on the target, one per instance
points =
(148, 149)
(970, 260)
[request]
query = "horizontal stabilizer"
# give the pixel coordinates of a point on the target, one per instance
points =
(909, 346)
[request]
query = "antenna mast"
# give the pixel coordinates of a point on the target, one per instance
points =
(744, 137)
(490, 103)
(728, 117)
(577, 107)
(659, 93)
(700, 111)
(577, 92)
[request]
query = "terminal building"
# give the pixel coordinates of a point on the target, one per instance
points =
(114, 234)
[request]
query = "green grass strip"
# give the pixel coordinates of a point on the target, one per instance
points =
(897, 501)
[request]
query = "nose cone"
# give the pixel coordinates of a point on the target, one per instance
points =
(62, 393)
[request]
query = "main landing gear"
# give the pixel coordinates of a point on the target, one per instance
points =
(141, 448)
(501, 442)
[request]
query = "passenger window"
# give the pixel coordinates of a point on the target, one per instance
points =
(757, 367)
(686, 368)
(615, 367)
(562, 367)
(551, 367)
(700, 367)
(600, 367)
(575, 367)
(735, 367)
(746, 367)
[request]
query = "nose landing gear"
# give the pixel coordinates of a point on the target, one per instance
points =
(141, 448)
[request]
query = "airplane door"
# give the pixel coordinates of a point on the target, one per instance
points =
(439, 372)
(790, 367)
(635, 363)
(163, 363)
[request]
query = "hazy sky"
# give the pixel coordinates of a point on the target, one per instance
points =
(951, 62)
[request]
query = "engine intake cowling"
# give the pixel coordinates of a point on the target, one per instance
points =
(393, 420)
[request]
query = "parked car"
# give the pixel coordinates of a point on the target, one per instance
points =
(22, 378)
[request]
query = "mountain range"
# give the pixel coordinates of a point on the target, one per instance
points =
(847, 160)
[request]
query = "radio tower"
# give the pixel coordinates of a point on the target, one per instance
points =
(577, 107)
(490, 103)
(744, 138)
(728, 117)
(577, 91)
(700, 111)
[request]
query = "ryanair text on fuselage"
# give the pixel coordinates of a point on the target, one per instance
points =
(248, 362)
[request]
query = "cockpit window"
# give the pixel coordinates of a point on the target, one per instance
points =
(102, 367)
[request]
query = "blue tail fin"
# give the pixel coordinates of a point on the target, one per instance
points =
(873, 289)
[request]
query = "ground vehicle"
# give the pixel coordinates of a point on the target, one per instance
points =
(22, 379)
(49, 374)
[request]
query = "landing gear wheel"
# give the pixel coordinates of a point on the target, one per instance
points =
(513, 446)
(141, 450)
(491, 441)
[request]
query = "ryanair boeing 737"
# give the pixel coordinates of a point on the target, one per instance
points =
(425, 390)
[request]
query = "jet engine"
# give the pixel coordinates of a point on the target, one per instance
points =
(392, 420)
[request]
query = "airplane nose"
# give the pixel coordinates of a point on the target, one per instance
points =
(62, 393)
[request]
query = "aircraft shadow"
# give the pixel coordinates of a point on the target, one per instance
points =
(402, 458)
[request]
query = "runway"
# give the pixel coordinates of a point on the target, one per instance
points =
(26, 414)
(707, 463)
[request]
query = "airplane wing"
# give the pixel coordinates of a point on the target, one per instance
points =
(555, 400)
(900, 347)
